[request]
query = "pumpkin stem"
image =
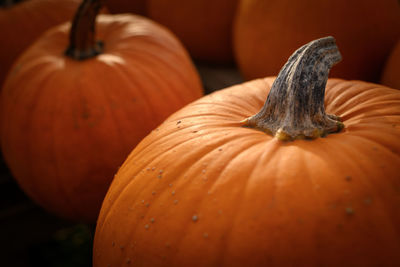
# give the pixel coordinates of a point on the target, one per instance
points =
(82, 43)
(295, 107)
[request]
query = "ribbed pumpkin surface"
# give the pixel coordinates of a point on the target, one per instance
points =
(21, 24)
(202, 191)
(68, 125)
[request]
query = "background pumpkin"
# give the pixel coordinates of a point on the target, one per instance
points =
(126, 6)
(265, 33)
(68, 123)
(22, 23)
(391, 72)
(201, 190)
(205, 27)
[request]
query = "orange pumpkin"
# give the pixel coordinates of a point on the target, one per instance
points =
(22, 23)
(391, 72)
(265, 32)
(205, 27)
(202, 190)
(69, 120)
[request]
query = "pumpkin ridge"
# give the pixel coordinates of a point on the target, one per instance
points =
(110, 209)
(171, 135)
(166, 97)
(149, 163)
(211, 187)
(183, 79)
(238, 112)
(226, 105)
(229, 232)
(60, 182)
(355, 111)
(108, 104)
(387, 147)
(149, 55)
(369, 181)
(45, 80)
(339, 101)
(138, 93)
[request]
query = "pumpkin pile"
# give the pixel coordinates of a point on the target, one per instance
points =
(104, 119)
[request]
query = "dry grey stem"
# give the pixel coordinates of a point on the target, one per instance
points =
(295, 105)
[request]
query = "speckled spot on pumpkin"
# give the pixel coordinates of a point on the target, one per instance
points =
(146, 226)
(349, 211)
(195, 218)
(368, 201)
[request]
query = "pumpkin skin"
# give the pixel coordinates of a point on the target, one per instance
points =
(126, 6)
(68, 125)
(204, 27)
(22, 23)
(364, 35)
(201, 190)
(391, 72)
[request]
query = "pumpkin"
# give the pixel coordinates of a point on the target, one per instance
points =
(215, 185)
(126, 6)
(391, 71)
(203, 26)
(266, 31)
(22, 23)
(70, 119)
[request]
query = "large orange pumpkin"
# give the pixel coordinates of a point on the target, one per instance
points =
(202, 190)
(391, 71)
(22, 23)
(70, 120)
(265, 32)
(204, 26)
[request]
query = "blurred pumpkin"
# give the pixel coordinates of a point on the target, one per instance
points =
(23, 22)
(126, 6)
(391, 71)
(265, 32)
(202, 190)
(69, 120)
(204, 27)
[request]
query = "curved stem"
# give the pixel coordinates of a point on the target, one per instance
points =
(295, 108)
(82, 43)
